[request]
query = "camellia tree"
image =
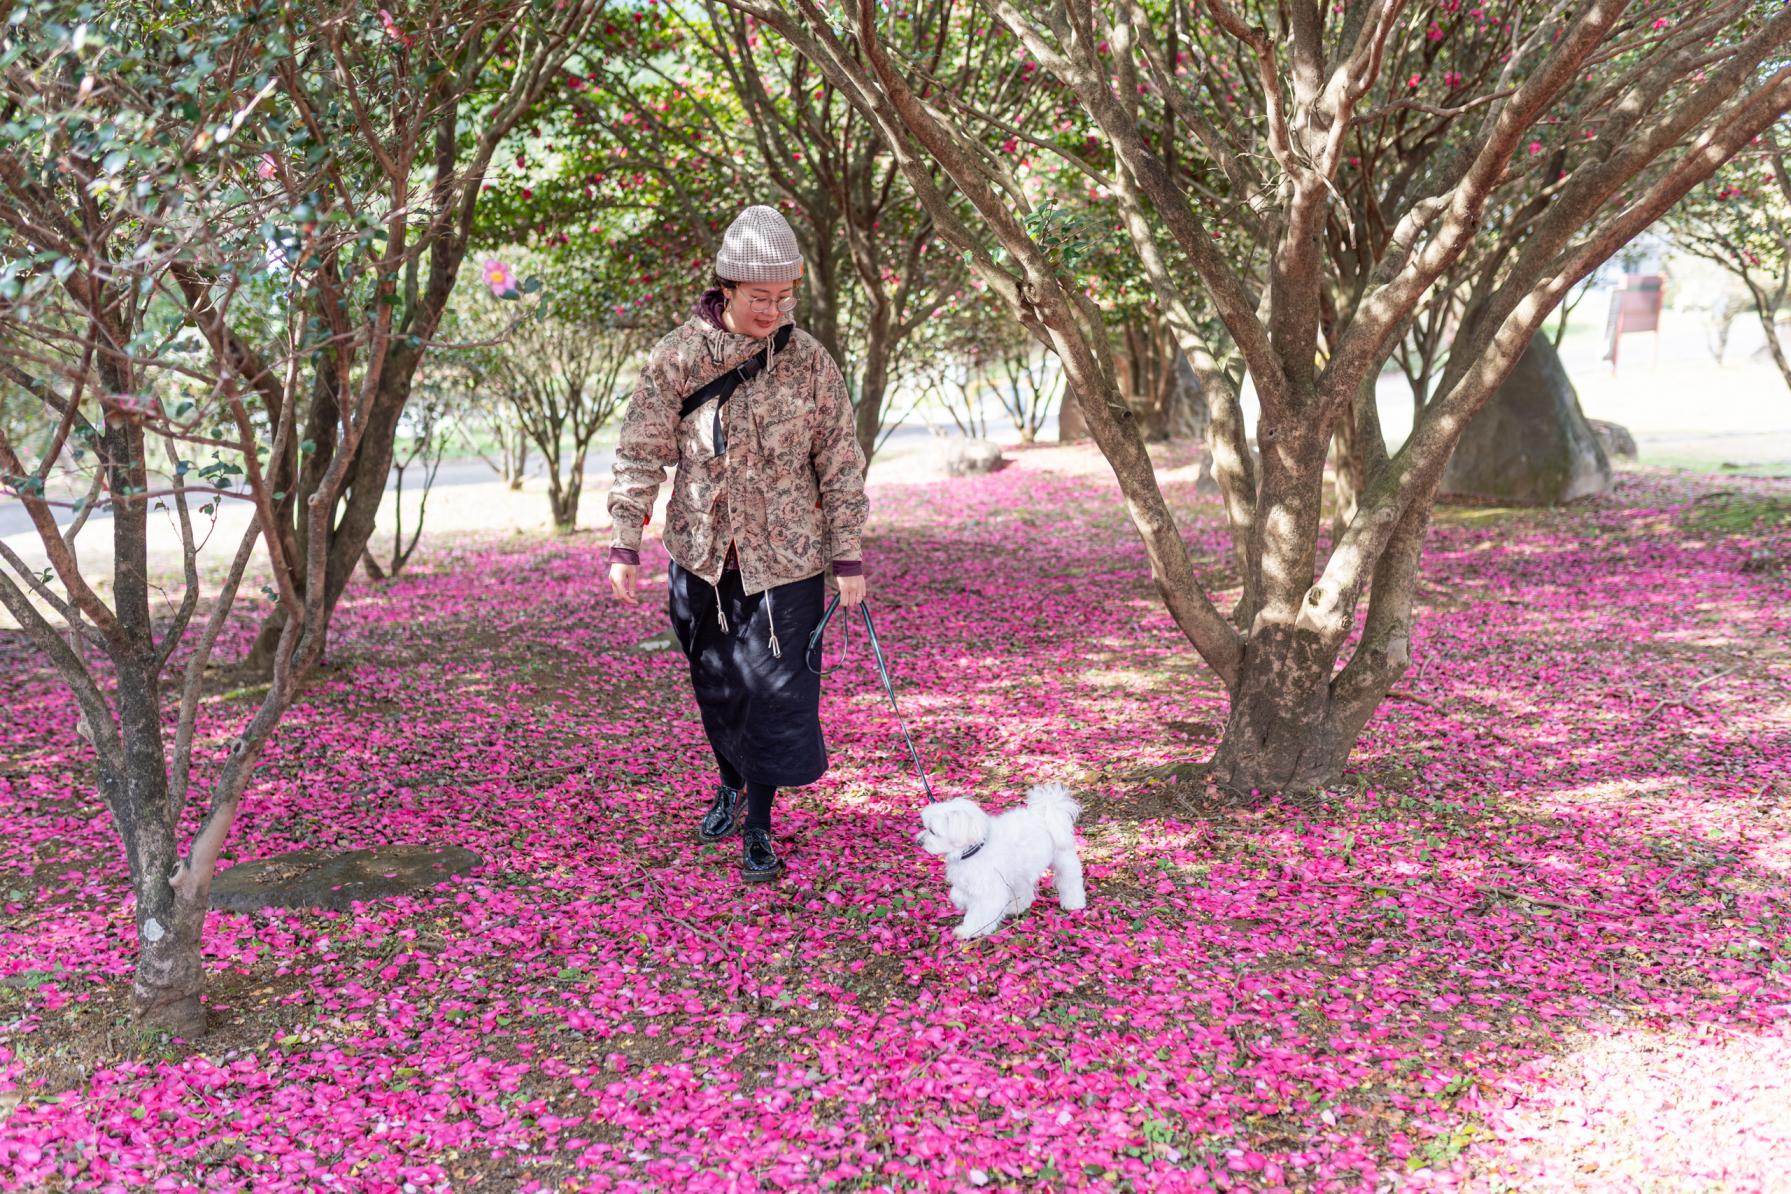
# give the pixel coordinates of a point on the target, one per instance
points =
(408, 116)
(560, 367)
(695, 111)
(1740, 221)
(223, 231)
(1647, 100)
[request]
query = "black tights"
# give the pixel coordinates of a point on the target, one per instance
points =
(758, 796)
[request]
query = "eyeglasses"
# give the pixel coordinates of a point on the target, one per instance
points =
(783, 306)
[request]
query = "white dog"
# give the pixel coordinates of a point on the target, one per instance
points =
(994, 863)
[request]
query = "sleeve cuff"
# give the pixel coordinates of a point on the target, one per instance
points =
(848, 567)
(623, 555)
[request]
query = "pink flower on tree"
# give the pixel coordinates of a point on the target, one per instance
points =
(266, 167)
(498, 276)
(392, 31)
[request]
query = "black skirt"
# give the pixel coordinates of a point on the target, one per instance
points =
(762, 711)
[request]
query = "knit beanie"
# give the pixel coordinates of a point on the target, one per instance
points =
(759, 247)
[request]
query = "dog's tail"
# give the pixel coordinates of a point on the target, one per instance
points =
(1059, 809)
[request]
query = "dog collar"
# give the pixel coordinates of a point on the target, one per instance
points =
(972, 850)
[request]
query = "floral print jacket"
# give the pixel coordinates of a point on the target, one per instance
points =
(787, 491)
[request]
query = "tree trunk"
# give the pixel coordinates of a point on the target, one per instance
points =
(873, 383)
(1776, 346)
(365, 485)
(1187, 410)
(516, 458)
(1766, 306)
(169, 977)
(561, 503)
(822, 289)
(1159, 406)
(1295, 717)
(564, 495)
(1348, 479)
(1071, 426)
(170, 980)
(1284, 732)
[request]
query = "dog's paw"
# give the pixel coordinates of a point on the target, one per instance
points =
(1073, 903)
(967, 932)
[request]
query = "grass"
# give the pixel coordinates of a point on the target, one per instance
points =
(1729, 513)
(1702, 465)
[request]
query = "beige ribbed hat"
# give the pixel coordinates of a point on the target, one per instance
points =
(760, 246)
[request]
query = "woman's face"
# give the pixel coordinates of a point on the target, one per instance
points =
(758, 307)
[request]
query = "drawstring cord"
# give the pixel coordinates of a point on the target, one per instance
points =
(777, 651)
(720, 614)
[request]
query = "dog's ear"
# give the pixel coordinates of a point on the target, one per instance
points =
(965, 824)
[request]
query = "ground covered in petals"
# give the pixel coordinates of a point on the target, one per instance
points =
(1537, 942)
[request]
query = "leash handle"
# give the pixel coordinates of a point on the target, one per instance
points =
(814, 641)
(870, 630)
(814, 638)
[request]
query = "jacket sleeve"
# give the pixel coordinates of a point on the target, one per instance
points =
(647, 447)
(839, 464)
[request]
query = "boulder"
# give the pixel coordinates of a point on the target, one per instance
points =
(319, 879)
(1187, 413)
(1530, 445)
(1208, 483)
(965, 457)
(1614, 438)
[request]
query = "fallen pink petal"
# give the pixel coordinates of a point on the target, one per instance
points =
(1536, 891)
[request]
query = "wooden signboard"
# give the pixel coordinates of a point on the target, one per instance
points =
(1635, 307)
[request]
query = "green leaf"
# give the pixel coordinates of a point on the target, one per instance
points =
(115, 161)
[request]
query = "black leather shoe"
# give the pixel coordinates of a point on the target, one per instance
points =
(723, 817)
(759, 862)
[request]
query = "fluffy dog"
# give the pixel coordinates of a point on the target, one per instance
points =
(994, 863)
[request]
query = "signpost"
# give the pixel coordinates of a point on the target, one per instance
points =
(1635, 307)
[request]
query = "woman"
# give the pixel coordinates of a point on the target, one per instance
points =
(769, 490)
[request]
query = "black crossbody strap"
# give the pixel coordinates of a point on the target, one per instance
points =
(723, 387)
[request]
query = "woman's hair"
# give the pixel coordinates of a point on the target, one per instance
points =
(717, 282)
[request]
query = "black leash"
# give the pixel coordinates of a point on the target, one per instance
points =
(870, 630)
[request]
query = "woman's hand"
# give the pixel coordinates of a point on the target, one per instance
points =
(851, 591)
(622, 580)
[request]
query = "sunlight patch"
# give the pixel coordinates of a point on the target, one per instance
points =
(1714, 1111)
